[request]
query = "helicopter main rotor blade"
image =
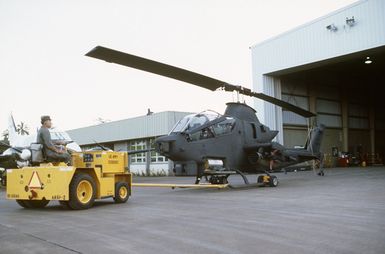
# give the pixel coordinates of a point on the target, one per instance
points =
(273, 100)
(118, 57)
(284, 104)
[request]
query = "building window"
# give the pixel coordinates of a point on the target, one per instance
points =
(136, 145)
(140, 144)
(156, 157)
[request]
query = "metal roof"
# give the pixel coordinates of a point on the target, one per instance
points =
(154, 125)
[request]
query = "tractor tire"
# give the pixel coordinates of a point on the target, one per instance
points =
(82, 192)
(273, 182)
(22, 203)
(37, 203)
(122, 192)
(33, 203)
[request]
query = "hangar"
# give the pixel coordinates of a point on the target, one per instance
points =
(334, 66)
(137, 133)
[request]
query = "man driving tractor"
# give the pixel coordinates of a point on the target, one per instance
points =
(51, 149)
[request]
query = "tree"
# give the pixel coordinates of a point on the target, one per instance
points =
(5, 135)
(22, 129)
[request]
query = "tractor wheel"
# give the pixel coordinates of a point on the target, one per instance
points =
(37, 203)
(33, 203)
(22, 203)
(82, 192)
(273, 182)
(122, 192)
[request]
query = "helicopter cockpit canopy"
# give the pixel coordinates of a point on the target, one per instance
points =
(193, 121)
(191, 124)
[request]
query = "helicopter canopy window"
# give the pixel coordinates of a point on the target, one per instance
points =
(190, 122)
(222, 128)
(181, 125)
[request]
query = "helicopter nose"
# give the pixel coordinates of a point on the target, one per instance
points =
(163, 144)
(162, 147)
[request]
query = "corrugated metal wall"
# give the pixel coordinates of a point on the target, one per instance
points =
(154, 125)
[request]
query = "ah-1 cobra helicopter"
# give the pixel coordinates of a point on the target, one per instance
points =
(222, 145)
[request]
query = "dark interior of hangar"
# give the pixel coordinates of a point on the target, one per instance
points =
(348, 95)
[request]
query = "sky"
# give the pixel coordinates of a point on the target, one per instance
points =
(43, 70)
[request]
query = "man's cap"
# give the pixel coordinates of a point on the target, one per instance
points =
(45, 118)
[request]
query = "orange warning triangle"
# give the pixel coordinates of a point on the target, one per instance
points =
(34, 183)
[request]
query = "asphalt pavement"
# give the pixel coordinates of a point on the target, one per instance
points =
(342, 212)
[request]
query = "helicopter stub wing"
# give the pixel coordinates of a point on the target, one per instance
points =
(144, 64)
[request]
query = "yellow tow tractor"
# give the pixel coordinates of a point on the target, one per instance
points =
(92, 175)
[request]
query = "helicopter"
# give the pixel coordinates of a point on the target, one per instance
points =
(221, 145)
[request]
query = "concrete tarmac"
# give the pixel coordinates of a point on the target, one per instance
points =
(342, 212)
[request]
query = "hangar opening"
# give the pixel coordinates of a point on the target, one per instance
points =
(347, 93)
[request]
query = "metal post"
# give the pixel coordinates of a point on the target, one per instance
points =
(345, 122)
(148, 157)
(372, 130)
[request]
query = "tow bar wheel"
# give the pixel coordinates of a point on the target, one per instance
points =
(273, 181)
(121, 192)
(82, 192)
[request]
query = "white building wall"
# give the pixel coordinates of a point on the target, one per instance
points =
(138, 169)
(121, 146)
(311, 43)
(155, 168)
